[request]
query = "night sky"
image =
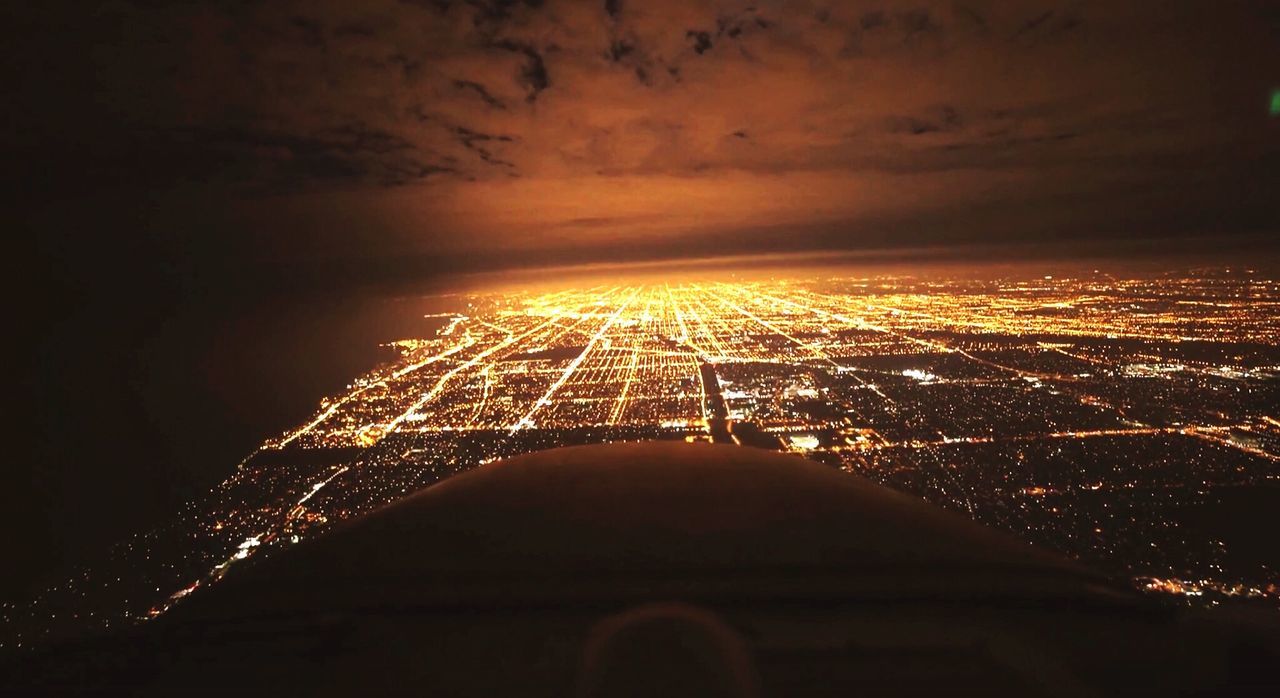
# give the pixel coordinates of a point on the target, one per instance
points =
(174, 165)
(365, 132)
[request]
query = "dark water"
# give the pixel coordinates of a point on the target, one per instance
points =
(133, 414)
(1242, 518)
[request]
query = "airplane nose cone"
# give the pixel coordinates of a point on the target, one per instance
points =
(663, 650)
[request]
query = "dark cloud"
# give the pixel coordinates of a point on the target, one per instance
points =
(281, 161)
(481, 92)
(620, 49)
(499, 11)
(533, 74)
(942, 119)
(873, 20)
(478, 143)
(701, 40)
(917, 22)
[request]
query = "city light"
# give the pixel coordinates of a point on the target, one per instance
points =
(1087, 414)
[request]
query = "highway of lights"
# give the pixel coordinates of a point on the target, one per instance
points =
(1116, 419)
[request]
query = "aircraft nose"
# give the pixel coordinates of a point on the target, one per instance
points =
(666, 649)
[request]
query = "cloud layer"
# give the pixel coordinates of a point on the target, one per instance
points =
(507, 125)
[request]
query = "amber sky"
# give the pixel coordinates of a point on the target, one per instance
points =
(561, 131)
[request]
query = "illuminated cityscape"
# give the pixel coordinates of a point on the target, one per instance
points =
(1106, 417)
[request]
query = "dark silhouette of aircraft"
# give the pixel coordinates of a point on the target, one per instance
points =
(664, 569)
